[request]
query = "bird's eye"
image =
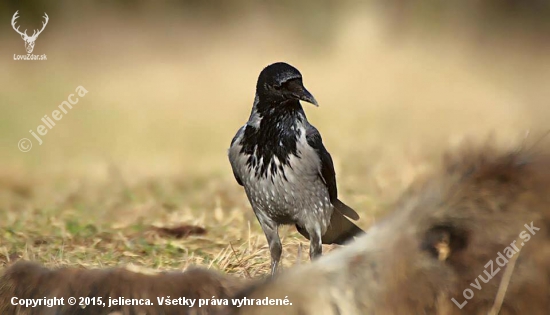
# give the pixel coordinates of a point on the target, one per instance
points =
(277, 87)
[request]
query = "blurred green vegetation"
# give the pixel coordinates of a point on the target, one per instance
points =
(312, 18)
(309, 16)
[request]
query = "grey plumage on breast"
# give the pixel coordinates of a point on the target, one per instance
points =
(294, 193)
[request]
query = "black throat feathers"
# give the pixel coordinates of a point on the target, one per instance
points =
(276, 136)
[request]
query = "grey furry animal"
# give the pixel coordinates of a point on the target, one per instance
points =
(445, 250)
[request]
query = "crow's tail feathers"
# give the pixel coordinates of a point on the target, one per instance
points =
(345, 210)
(341, 229)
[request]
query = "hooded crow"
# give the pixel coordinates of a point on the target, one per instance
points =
(288, 175)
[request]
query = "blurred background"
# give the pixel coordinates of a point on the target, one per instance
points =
(170, 82)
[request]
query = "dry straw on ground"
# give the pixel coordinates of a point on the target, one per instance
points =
(147, 146)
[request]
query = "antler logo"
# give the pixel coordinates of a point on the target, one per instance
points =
(29, 40)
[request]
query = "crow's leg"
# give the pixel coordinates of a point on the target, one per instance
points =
(316, 244)
(271, 231)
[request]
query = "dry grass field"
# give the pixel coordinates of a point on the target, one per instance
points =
(146, 147)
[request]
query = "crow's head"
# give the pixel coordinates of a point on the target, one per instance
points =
(281, 82)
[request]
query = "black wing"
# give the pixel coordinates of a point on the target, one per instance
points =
(239, 134)
(327, 172)
(327, 166)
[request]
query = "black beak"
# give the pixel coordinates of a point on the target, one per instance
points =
(298, 91)
(305, 96)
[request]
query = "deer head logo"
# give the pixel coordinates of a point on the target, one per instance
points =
(29, 40)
